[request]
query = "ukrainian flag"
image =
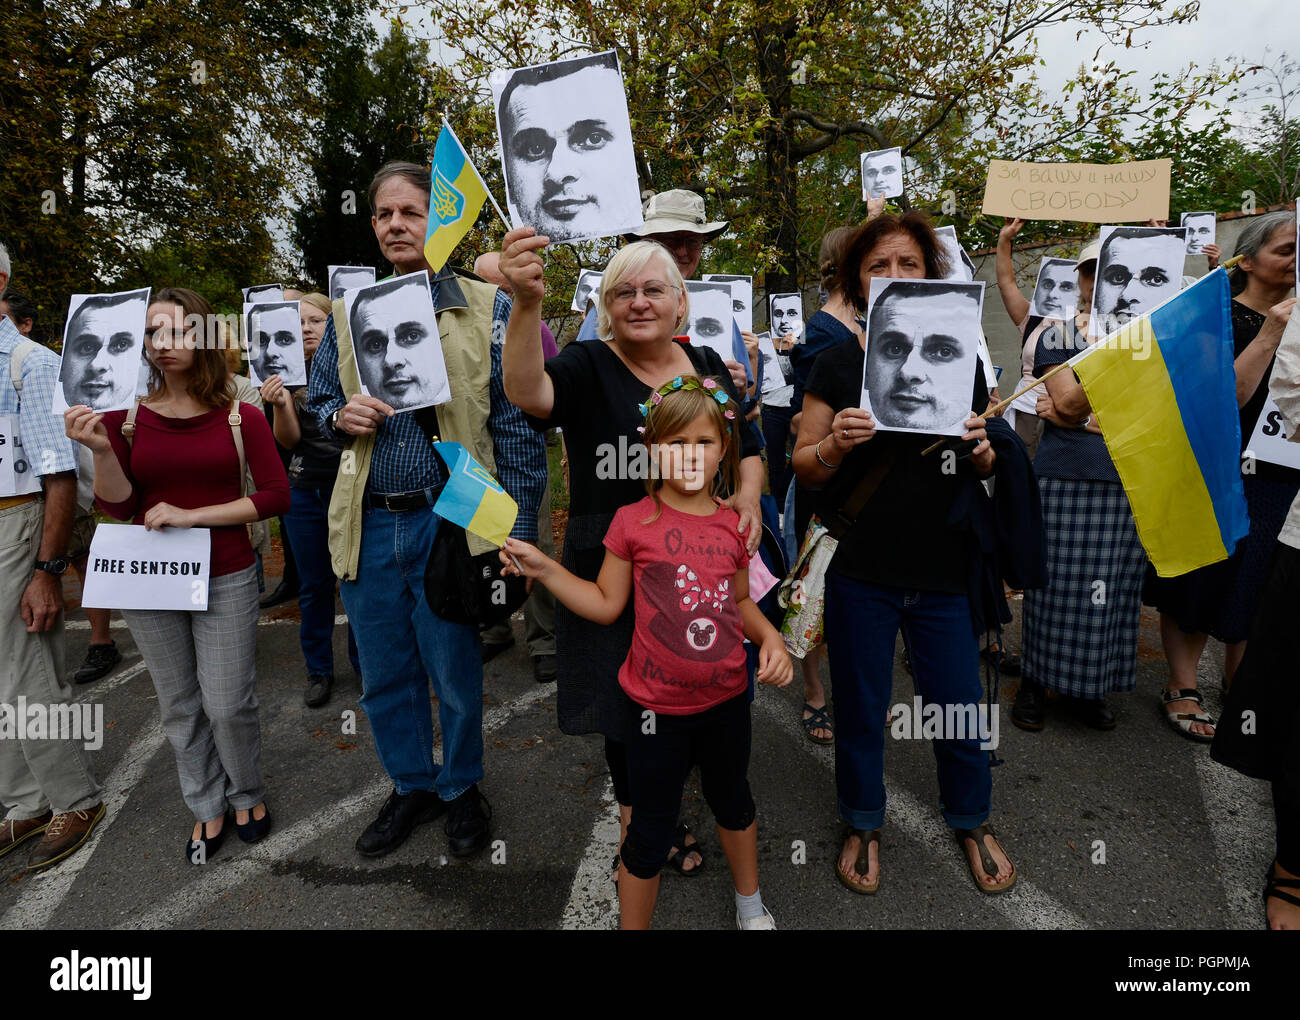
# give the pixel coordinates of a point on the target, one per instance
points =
(472, 498)
(1163, 389)
(456, 196)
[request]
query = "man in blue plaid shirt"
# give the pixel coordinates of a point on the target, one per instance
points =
(45, 777)
(401, 641)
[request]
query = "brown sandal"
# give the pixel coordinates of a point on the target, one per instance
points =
(862, 865)
(986, 859)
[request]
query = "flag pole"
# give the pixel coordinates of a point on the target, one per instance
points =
(486, 190)
(1000, 405)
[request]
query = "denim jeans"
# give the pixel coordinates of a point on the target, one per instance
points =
(403, 644)
(862, 622)
(308, 533)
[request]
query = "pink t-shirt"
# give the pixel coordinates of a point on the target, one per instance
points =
(687, 651)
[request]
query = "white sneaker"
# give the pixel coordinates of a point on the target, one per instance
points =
(765, 923)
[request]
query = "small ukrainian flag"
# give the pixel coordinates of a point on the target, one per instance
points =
(456, 196)
(1163, 389)
(472, 498)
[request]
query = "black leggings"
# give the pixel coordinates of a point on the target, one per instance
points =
(1286, 809)
(658, 763)
(616, 759)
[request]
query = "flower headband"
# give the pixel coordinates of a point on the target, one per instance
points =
(709, 386)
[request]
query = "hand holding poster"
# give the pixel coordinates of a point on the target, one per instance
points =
(566, 148)
(882, 173)
(131, 567)
(923, 339)
(1084, 192)
(274, 333)
(103, 351)
(785, 317)
(394, 334)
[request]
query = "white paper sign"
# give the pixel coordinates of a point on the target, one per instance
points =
(960, 266)
(1200, 230)
(103, 351)
(274, 334)
(130, 567)
(710, 319)
(1268, 441)
(343, 278)
(16, 475)
(262, 293)
(773, 377)
(742, 298)
(882, 173)
(586, 290)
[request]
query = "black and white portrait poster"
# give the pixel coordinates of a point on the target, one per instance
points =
(566, 148)
(586, 290)
(960, 266)
(785, 318)
(343, 278)
(394, 333)
(274, 334)
(103, 351)
(773, 375)
(923, 339)
(882, 173)
(742, 298)
(1056, 292)
(708, 321)
(1200, 230)
(1138, 268)
(263, 293)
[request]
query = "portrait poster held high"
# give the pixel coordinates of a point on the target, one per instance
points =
(343, 278)
(882, 173)
(586, 290)
(1138, 268)
(742, 298)
(274, 335)
(785, 318)
(393, 331)
(923, 340)
(565, 141)
(102, 365)
(1056, 292)
(1200, 230)
(709, 316)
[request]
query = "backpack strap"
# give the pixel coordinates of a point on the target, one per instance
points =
(235, 420)
(16, 359)
(128, 425)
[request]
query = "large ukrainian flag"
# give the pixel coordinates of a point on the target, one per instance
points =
(1163, 389)
(456, 196)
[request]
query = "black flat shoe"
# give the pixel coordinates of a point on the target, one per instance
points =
(400, 814)
(1028, 712)
(544, 669)
(282, 593)
(468, 828)
(201, 850)
(100, 660)
(255, 828)
(1094, 712)
(318, 690)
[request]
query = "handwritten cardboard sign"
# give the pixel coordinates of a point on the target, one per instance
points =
(1085, 192)
(130, 567)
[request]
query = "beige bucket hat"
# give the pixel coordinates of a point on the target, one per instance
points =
(671, 211)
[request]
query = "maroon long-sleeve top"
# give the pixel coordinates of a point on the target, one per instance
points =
(192, 463)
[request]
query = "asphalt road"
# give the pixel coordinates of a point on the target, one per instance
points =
(1185, 841)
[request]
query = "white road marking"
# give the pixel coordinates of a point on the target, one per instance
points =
(44, 892)
(121, 624)
(257, 860)
(593, 898)
(1025, 906)
(93, 692)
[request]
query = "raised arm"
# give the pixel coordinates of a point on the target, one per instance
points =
(1016, 304)
(526, 382)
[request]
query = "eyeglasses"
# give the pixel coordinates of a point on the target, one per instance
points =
(625, 294)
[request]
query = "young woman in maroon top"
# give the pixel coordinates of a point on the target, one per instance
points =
(182, 471)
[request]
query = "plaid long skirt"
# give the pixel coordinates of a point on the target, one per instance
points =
(1081, 631)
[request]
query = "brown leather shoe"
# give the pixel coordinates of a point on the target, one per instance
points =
(14, 833)
(64, 835)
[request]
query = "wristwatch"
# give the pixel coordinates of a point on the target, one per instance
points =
(57, 566)
(334, 419)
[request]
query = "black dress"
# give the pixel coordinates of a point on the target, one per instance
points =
(1221, 599)
(596, 398)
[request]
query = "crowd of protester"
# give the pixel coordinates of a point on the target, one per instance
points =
(353, 484)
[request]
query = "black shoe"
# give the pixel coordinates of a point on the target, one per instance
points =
(491, 651)
(282, 593)
(100, 659)
(1094, 712)
(318, 690)
(467, 828)
(1008, 663)
(399, 815)
(201, 850)
(255, 828)
(1028, 711)
(544, 669)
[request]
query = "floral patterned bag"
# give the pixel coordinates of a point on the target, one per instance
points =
(803, 591)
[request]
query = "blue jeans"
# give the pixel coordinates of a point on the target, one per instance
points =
(862, 621)
(403, 644)
(308, 533)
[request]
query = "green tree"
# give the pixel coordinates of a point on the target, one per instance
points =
(375, 109)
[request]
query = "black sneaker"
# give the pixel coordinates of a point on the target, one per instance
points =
(544, 669)
(318, 690)
(100, 660)
(399, 815)
(1028, 711)
(467, 828)
(282, 593)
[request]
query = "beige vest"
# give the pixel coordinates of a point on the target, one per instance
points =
(465, 327)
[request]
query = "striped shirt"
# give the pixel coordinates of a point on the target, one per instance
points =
(403, 461)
